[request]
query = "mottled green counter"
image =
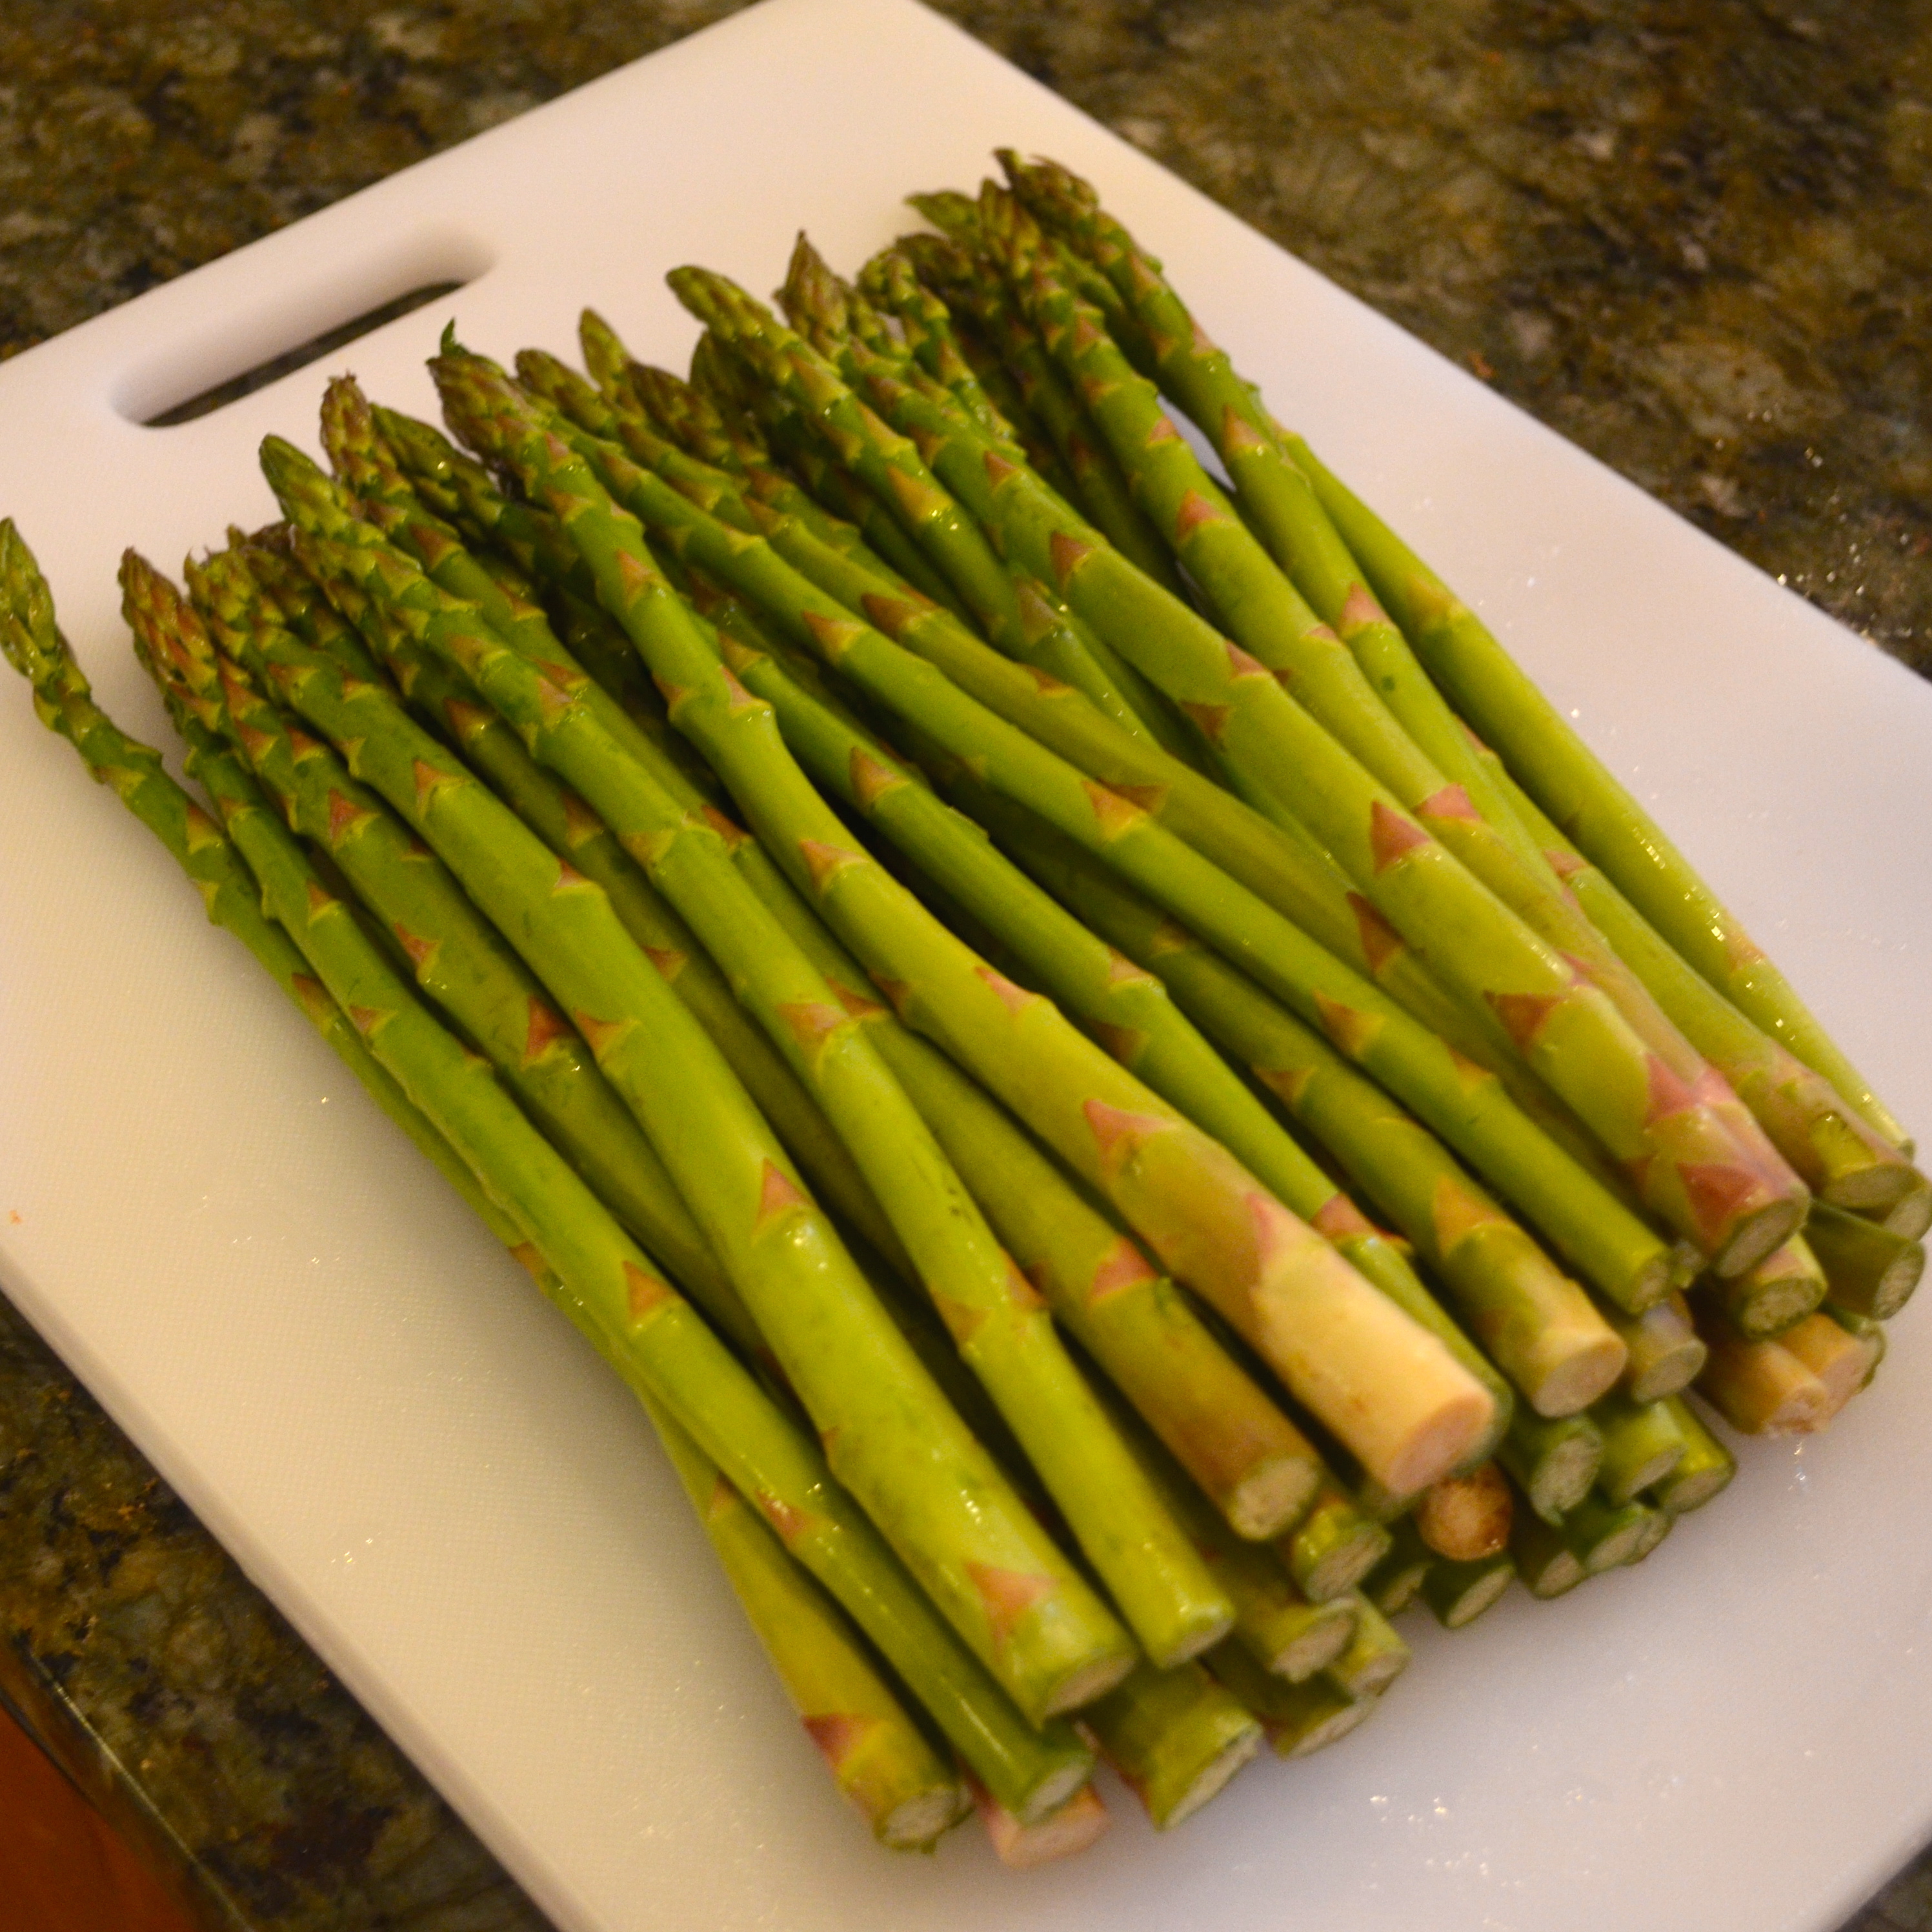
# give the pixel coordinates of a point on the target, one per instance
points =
(1697, 237)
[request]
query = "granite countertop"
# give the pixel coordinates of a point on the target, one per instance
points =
(1694, 235)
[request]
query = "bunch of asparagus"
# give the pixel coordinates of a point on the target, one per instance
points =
(1129, 1097)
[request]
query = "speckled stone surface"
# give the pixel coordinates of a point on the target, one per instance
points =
(1694, 236)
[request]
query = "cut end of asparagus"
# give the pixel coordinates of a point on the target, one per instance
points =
(1335, 1724)
(1582, 1367)
(1446, 1439)
(1841, 1358)
(1656, 1525)
(915, 1825)
(1212, 1779)
(1327, 1637)
(1557, 1577)
(1270, 1497)
(1694, 1488)
(1078, 1822)
(1911, 1217)
(1757, 1235)
(1343, 1564)
(1458, 1593)
(1091, 1681)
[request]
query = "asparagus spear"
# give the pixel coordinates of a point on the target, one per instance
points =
(609, 1289)
(1176, 1737)
(1764, 1300)
(922, 297)
(1554, 1461)
(1870, 1270)
(1126, 1009)
(1333, 1547)
(1466, 1518)
(1279, 1626)
(1688, 1162)
(1391, 1387)
(1297, 1719)
(1259, 1472)
(1392, 1585)
(1545, 1561)
(1080, 1822)
(1601, 1534)
(1642, 1444)
(1376, 1657)
(1624, 1254)
(727, 1163)
(1456, 792)
(1665, 1354)
(64, 702)
(1844, 1359)
(879, 1758)
(1579, 793)
(1537, 1326)
(451, 702)
(1706, 1466)
(1458, 1593)
(458, 959)
(1760, 1388)
(1838, 1153)
(1041, 634)
(1000, 1324)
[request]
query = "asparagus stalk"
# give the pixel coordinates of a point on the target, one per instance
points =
(1349, 1353)
(1843, 1358)
(1333, 1547)
(1376, 1657)
(440, 692)
(1870, 1270)
(1175, 1737)
(1466, 1518)
(1657, 1525)
(1125, 1008)
(1392, 1585)
(999, 1322)
(1545, 1561)
(1688, 1162)
(774, 1244)
(1453, 789)
(64, 702)
(1705, 1467)
(609, 1289)
(1665, 1354)
(1537, 1325)
(1080, 1822)
(878, 1756)
(1642, 1444)
(1279, 1627)
(1297, 1719)
(1838, 1153)
(1784, 1288)
(1458, 1593)
(945, 277)
(1554, 1462)
(1624, 1253)
(1601, 1534)
(1259, 1471)
(459, 961)
(846, 331)
(1911, 1217)
(1760, 1388)
(1579, 792)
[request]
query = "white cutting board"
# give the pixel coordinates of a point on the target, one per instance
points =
(462, 1511)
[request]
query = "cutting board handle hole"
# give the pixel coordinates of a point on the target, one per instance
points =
(248, 351)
